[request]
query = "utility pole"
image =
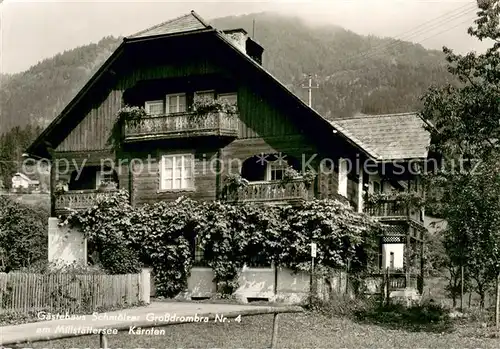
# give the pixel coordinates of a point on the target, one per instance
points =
(310, 87)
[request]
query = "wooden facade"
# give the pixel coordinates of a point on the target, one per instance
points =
(169, 154)
(267, 123)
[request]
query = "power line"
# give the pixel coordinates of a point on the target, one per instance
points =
(443, 31)
(402, 35)
(397, 42)
(364, 59)
(408, 35)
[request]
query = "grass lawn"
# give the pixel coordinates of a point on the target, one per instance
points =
(307, 330)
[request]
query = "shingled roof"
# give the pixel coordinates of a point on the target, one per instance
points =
(389, 136)
(186, 23)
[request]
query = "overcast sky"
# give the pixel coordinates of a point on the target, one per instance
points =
(34, 30)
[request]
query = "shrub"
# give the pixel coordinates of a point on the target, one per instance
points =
(343, 305)
(23, 234)
(162, 235)
(428, 316)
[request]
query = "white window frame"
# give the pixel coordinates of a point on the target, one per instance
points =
(189, 157)
(222, 95)
(167, 103)
(197, 93)
(148, 104)
(100, 175)
(342, 177)
(275, 165)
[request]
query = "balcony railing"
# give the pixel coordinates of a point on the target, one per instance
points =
(180, 126)
(77, 200)
(271, 192)
(392, 208)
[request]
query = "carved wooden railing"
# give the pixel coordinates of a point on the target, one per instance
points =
(77, 200)
(271, 191)
(391, 208)
(181, 125)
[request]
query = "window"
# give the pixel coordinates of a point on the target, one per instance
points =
(198, 253)
(177, 172)
(154, 107)
(376, 187)
(204, 94)
(176, 103)
(275, 170)
(104, 176)
(391, 260)
(343, 177)
(229, 97)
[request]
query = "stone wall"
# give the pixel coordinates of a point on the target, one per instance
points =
(281, 285)
(66, 245)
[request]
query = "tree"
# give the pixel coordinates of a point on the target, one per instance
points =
(466, 131)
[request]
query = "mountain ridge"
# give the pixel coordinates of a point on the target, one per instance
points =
(355, 73)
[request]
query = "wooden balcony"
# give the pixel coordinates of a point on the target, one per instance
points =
(276, 192)
(392, 210)
(77, 200)
(182, 125)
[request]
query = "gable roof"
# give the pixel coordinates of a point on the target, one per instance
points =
(186, 23)
(190, 23)
(388, 137)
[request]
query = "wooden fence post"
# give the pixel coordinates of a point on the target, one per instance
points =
(497, 304)
(145, 278)
(383, 291)
(388, 287)
(103, 341)
(274, 338)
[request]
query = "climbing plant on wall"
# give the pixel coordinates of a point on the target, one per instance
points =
(162, 236)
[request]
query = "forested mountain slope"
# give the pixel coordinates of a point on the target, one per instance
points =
(355, 73)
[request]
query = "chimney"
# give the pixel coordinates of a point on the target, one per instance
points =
(240, 39)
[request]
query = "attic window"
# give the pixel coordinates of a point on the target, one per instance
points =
(154, 107)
